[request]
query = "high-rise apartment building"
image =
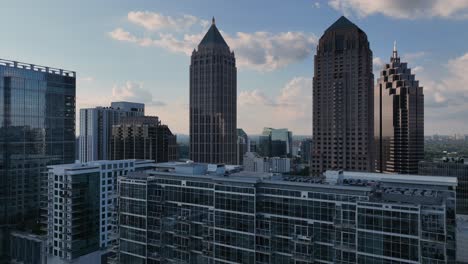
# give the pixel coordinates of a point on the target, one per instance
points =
(343, 100)
(213, 101)
(37, 128)
(81, 225)
(399, 119)
(96, 128)
(199, 213)
(143, 137)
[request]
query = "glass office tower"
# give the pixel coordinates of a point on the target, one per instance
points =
(399, 119)
(37, 128)
(198, 213)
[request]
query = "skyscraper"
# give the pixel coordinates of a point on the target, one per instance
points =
(399, 119)
(37, 128)
(343, 106)
(213, 101)
(96, 128)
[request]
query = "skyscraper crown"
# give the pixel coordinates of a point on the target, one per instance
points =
(341, 23)
(213, 36)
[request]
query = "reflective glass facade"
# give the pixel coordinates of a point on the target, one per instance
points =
(275, 142)
(452, 169)
(399, 119)
(37, 128)
(248, 218)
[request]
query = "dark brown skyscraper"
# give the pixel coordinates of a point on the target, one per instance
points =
(213, 101)
(343, 117)
(399, 119)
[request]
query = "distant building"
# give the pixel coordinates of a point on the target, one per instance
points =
(199, 213)
(26, 248)
(255, 163)
(306, 149)
(143, 137)
(37, 128)
(343, 100)
(243, 145)
(82, 216)
(96, 128)
(213, 101)
(453, 167)
(399, 119)
(253, 146)
(275, 143)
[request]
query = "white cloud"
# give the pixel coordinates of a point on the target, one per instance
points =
(445, 98)
(404, 9)
(378, 63)
(134, 92)
(266, 51)
(156, 21)
(263, 51)
(418, 69)
(122, 35)
(291, 107)
(317, 4)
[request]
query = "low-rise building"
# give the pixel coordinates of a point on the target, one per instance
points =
(255, 163)
(28, 248)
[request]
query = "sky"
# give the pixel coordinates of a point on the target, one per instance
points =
(140, 50)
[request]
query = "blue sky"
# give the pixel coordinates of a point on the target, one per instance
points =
(138, 50)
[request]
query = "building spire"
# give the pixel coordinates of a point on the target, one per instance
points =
(213, 21)
(395, 52)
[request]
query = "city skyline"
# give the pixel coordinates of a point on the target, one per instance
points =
(274, 53)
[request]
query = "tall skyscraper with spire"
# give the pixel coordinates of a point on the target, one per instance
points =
(213, 100)
(399, 119)
(343, 107)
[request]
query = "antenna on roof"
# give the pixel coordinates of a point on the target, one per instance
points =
(395, 52)
(213, 21)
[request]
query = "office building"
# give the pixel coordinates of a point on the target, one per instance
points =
(243, 145)
(37, 128)
(343, 100)
(452, 167)
(275, 143)
(213, 101)
(399, 119)
(256, 163)
(199, 213)
(82, 208)
(96, 128)
(143, 137)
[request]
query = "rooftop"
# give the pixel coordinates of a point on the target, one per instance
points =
(38, 68)
(400, 178)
